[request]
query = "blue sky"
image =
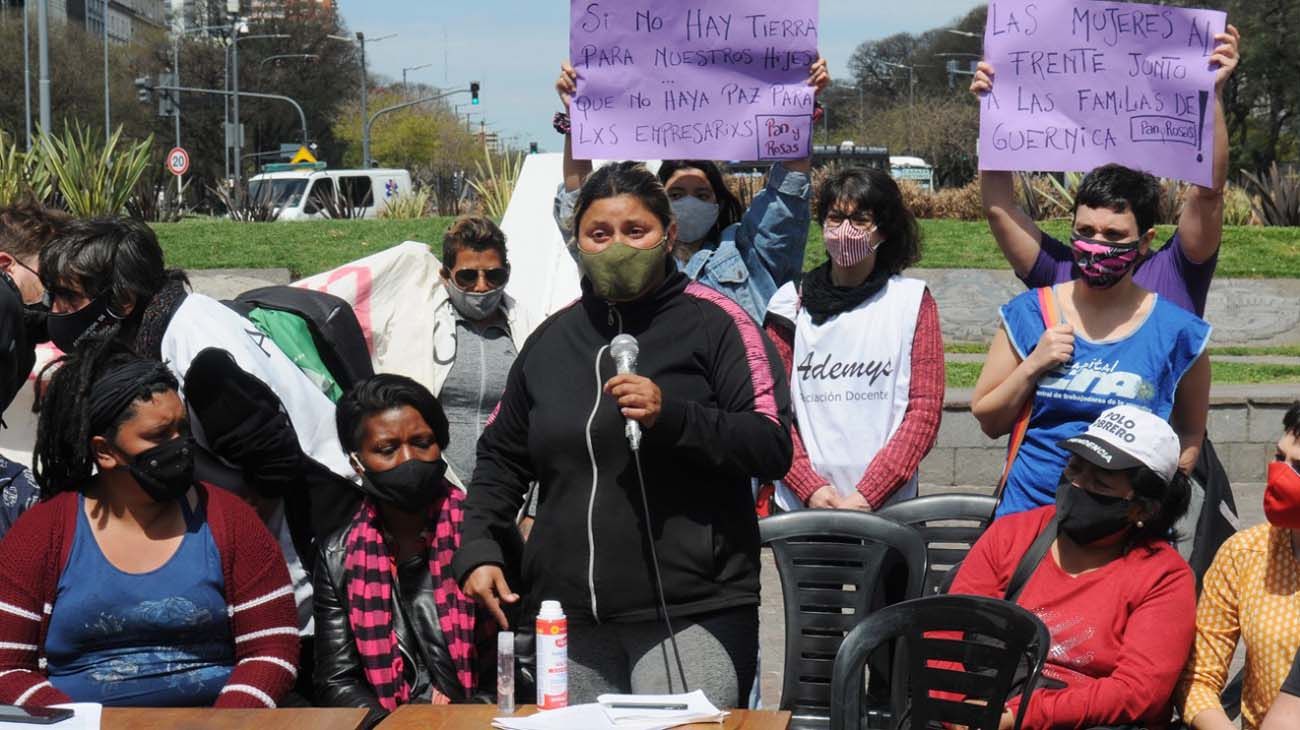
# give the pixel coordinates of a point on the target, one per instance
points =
(514, 47)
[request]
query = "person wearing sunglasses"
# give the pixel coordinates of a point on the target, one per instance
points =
(477, 332)
(1066, 353)
(25, 228)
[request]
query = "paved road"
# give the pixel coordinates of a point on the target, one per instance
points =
(1249, 497)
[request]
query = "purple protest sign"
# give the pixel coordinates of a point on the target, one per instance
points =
(684, 79)
(1080, 83)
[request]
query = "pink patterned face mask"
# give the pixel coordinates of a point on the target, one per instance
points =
(848, 245)
(1102, 264)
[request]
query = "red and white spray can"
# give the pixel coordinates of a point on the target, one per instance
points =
(552, 657)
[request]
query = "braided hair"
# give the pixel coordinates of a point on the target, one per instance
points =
(63, 460)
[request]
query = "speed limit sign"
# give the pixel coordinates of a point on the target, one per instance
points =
(178, 161)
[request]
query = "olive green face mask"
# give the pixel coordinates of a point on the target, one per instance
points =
(621, 273)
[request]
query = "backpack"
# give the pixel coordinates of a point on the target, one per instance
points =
(317, 331)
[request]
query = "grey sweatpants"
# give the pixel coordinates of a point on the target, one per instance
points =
(719, 653)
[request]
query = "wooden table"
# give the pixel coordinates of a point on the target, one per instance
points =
(479, 717)
(205, 718)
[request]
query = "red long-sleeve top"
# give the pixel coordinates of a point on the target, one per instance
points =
(894, 464)
(1120, 634)
(263, 618)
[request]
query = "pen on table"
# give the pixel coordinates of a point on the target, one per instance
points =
(647, 706)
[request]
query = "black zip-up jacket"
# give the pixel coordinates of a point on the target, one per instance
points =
(725, 418)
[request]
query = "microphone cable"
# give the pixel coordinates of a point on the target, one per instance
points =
(659, 581)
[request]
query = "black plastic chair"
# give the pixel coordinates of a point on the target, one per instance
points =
(991, 640)
(950, 524)
(831, 566)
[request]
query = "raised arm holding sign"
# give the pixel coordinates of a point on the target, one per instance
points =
(677, 79)
(1182, 270)
(746, 254)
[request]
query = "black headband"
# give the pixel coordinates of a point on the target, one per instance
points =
(119, 387)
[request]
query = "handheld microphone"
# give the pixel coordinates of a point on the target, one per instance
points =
(624, 349)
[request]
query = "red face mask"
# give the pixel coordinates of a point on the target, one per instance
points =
(1282, 496)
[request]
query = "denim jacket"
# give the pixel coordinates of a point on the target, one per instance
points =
(754, 257)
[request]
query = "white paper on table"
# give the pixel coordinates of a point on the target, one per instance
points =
(577, 716)
(698, 709)
(87, 717)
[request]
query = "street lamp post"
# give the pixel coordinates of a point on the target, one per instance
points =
(911, 91)
(239, 26)
(108, 114)
(405, 88)
(43, 61)
(283, 56)
(27, 73)
(365, 87)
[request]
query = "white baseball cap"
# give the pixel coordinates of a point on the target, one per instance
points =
(1125, 437)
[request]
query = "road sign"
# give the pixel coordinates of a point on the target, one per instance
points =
(304, 155)
(178, 161)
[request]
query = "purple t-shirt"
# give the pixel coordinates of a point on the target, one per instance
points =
(1167, 272)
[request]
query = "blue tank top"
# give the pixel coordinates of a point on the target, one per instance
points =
(156, 639)
(1142, 369)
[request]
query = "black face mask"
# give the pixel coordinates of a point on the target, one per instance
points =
(412, 485)
(68, 329)
(36, 322)
(166, 471)
(1088, 517)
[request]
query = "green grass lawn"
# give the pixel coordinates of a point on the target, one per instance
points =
(305, 248)
(309, 247)
(964, 374)
(974, 348)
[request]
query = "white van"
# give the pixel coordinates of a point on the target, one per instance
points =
(305, 191)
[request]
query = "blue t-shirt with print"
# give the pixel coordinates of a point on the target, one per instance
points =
(155, 639)
(1142, 369)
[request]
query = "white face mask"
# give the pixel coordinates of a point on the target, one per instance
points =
(474, 306)
(695, 218)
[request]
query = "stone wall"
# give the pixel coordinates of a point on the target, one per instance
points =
(1244, 424)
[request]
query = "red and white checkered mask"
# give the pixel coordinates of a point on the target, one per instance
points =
(848, 245)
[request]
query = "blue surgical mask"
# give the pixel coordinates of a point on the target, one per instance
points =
(695, 218)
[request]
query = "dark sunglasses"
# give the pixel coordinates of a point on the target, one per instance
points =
(465, 278)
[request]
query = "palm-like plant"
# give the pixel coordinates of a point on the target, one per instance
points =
(22, 175)
(1276, 197)
(95, 179)
(495, 182)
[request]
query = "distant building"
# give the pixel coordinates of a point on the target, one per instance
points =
(127, 19)
(288, 9)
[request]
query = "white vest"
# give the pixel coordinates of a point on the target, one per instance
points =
(850, 382)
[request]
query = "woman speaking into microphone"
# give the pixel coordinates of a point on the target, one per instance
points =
(618, 550)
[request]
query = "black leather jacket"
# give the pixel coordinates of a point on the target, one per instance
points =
(340, 680)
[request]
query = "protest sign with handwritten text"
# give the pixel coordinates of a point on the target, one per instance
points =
(689, 79)
(1080, 83)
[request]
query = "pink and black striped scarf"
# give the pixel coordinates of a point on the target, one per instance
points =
(368, 571)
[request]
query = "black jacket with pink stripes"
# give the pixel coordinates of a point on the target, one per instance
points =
(725, 419)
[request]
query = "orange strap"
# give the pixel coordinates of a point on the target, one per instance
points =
(1051, 316)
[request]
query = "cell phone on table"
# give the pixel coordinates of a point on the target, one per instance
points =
(34, 715)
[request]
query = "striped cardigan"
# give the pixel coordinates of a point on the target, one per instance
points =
(260, 603)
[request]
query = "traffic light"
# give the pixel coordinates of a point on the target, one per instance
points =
(473, 93)
(532, 148)
(143, 89)
(167, 106)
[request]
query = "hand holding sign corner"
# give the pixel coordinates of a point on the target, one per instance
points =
(674, 80)
(1095, 82)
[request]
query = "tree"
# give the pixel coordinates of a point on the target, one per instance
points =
(1262, 103)
(429, 139)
